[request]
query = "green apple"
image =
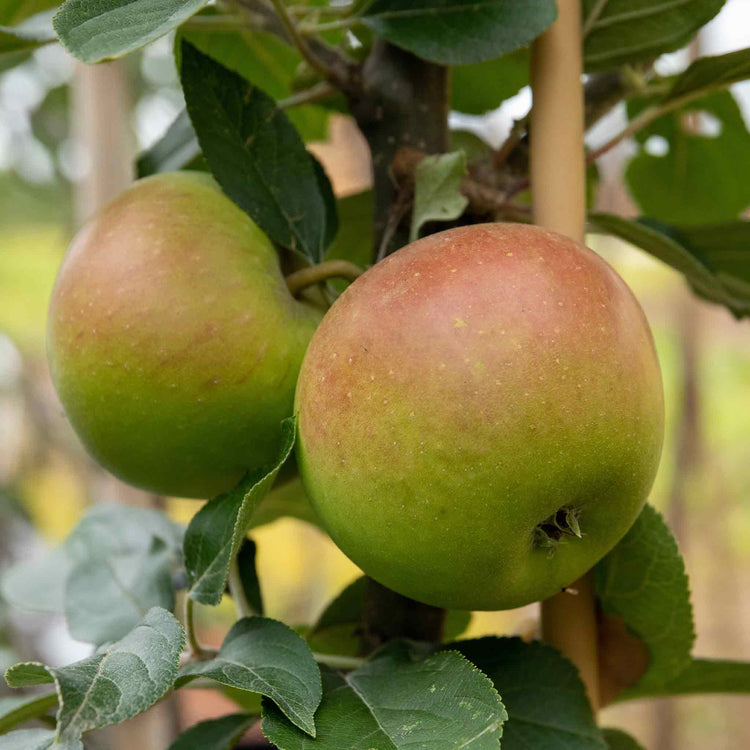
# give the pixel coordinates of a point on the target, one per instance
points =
(481, 416)
(174, 343)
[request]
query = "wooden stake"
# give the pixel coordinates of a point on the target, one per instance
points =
(558, 181)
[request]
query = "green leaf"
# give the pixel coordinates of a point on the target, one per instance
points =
(714, 259)
(218, 529)
(249, 576)
(30, 35)
(177, 149)
(265, 656)
(108, 530)
(255, 153)
(617, 32)
(106, 597)
(36, 739)
(702, 676)
(115, 683)
(215, 734)
(13, 12)
(710, 73)
(643, 580)
(546, 701)
(397, 700)
(17, 710)
(345, 609)
(483, 87)
(287, 500)
(437, 190)
(456, 33)
(95, 30)
(355, 237)
(701, 179)
(619, 740)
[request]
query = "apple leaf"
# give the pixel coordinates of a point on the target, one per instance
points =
(354, 241)
(287, 500)
(265, 656)
(95, 30)
(255, 153)
(618, 740)
(177, 149)
(106, 597)
(249, 576)
(643, 580)
(36, 739)
(546, 700)
(710, 73)
(437, 194)
(701, 677)
(107, 530)
(215, 734)
(264, 60)
(629, 31)
(714, 259)
(218, 529)
(400, 698)
(27, 36)
(17, 710)
(483, 87)
(115, 683)
(701, 177)
(456, 33)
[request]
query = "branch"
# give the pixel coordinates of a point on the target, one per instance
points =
(318, 92)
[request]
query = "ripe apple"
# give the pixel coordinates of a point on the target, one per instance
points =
(173, 341)
(481, 416)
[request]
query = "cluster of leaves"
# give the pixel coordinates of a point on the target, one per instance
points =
(119, 575)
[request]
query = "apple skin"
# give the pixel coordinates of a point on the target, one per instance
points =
(173, 341)
(464, 390)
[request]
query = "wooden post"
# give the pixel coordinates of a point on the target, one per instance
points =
(558, 181)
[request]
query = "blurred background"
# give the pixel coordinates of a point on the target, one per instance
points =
(68, 138)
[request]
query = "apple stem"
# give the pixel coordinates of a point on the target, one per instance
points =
(329, 269)
(558, 182)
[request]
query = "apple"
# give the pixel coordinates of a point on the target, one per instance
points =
(173, 341)
(481, 416)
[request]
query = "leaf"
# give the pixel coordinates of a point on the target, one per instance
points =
(255, 153)
(702, 676)
(345, 609)
(106, 530)
(643, 580)
(249, 575)
(115, 683)
(617, 32)
(264, 60)
(217, 530)
(397, 700)
(354, 241)
(483, 87)
(215, 734)
(106, 597)
(619, 740)
(701, 178)
(265, 656)
(714, 259)
(13, 12)
(456, 33)
(95, 30)
(437, 195)
(545, 699)
(177, 149)
(710, 73)
(329, 199)
(17, 710)
(287, 500)
(30, 35)
(36, 739)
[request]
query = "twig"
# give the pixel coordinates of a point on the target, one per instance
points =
(514, 138)
(195, 649)
(318, 92)
(329, 269)
(335, 661)
(398, 210)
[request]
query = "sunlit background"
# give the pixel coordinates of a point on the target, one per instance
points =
(46, 480)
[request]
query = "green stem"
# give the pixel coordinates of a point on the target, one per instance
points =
(322, 28)
(237, 591)
(34, 709)
(196, 650)
(329, 269)
(299, 42)
(317, 93)
(336, 661)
